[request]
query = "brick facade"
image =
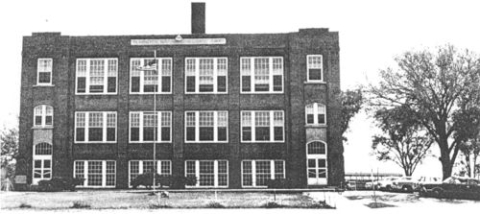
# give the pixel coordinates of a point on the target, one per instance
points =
(297, 93)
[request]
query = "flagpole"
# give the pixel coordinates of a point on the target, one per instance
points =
(155, 165)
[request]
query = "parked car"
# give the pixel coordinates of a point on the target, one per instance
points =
(405, 184)
(453, 187)
(426, 180)
(351, 185)
(386, 183)
(371, 185)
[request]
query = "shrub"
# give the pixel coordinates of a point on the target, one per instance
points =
(272, 205)
(23, 205)
(158, 206)
(146, 180)
(79, 205)
(214, 204)
(59, 184)
(279, 184)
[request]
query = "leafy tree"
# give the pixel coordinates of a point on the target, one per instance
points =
(9, 144)
(402, 142)
(436, 85)
(351, 103)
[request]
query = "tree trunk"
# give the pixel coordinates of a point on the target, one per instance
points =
(446, 165)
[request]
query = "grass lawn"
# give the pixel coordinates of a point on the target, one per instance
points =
(91, 199)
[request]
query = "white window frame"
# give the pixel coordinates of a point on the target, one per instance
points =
(317, 109)
(104, 173)
(215, 75)
(251, 73)
(141, 124)
(104, 126)
(197, 173)
(105, 76)
(254, 173)
(48, 69)
(43, 115)
(160, 163)
(271, 122)
(197, 127)
(159, 66)
(309, 66)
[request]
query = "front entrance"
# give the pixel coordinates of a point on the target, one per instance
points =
(42, 162)
(316, 163)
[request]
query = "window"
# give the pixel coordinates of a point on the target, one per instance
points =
(99, 127)
(315, 68)
(137, 167)
(97, 76)
(209, 173)
(43, 149)
(44, 71)
(43, 116)
(256, 173)
(96, 173)
(42, 162)
(206, 75)
(145, 78)
(262, 126)
(261, 74)
(144, 126)
(206, 126)
(315, 113)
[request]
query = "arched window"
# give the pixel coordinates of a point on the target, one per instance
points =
(315, 113)
(43, 149)
(43, 116)
(316, 148)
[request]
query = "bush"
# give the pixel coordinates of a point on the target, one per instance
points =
(23, 205)
(272, 205)
(174, 182)
(58, 184)
(279, 184)
(79, 205)
(214, 204)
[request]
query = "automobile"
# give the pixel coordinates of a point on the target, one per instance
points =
(351, 185)
(453, 187)
(405, 184)
(370, 185)
(386, 183)
(425, 180)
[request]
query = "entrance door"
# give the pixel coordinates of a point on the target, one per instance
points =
(42, 162)
(316, 163)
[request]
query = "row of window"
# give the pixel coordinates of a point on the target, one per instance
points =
(209, 173)
(202, 74)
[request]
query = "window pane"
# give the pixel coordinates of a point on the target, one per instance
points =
(247, 133)
(95, 134)
(94, 173)
(247, 173)
(262, 133)
(315, 74)
(262, 172)
(44, 77)
(206, 133)
(322, 163)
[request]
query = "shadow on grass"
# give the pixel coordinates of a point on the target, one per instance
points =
(23, 205)
(80, 205)
(378, 205)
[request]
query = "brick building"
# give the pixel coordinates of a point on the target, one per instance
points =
(235, 110)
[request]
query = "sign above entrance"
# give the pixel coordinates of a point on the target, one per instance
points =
(180, 41)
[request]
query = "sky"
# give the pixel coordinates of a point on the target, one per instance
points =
(372, 33)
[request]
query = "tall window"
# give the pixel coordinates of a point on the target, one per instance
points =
(95, 127)
(256, 173)
(97, 76)
(315, 114)
(206, 126)
(315, 68)
(261, 74)
(262, 126)
(206, 75)
(144, 126)
(209, 173)
(96, 173)
(150, 75)
(44, 71)
(137, 167)
(43, 116)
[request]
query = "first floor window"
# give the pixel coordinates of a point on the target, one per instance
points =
(206, 126)
(315, 114)
(209, 173)
(257, 173)
(150, 75)
(96, 173)
(95, 126)
(150, 126)
(262, 126)
(97, 76)
(138, 167)
(261, 74)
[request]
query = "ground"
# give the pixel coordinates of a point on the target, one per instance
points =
(141, 202)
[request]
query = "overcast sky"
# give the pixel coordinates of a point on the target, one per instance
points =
(372, 33)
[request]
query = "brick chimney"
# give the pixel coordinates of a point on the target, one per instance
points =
(198, 18)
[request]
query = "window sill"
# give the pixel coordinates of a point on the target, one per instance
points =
(262, 92)
(145, 142)
(49, 85)
(206, 142)
(89, 94)
(96, 142)
(42, 127)
(315, 83)
(206, 93)
(316, 126)
(250, 142)
(150, 93)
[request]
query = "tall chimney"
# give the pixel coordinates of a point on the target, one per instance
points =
(198, 18)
